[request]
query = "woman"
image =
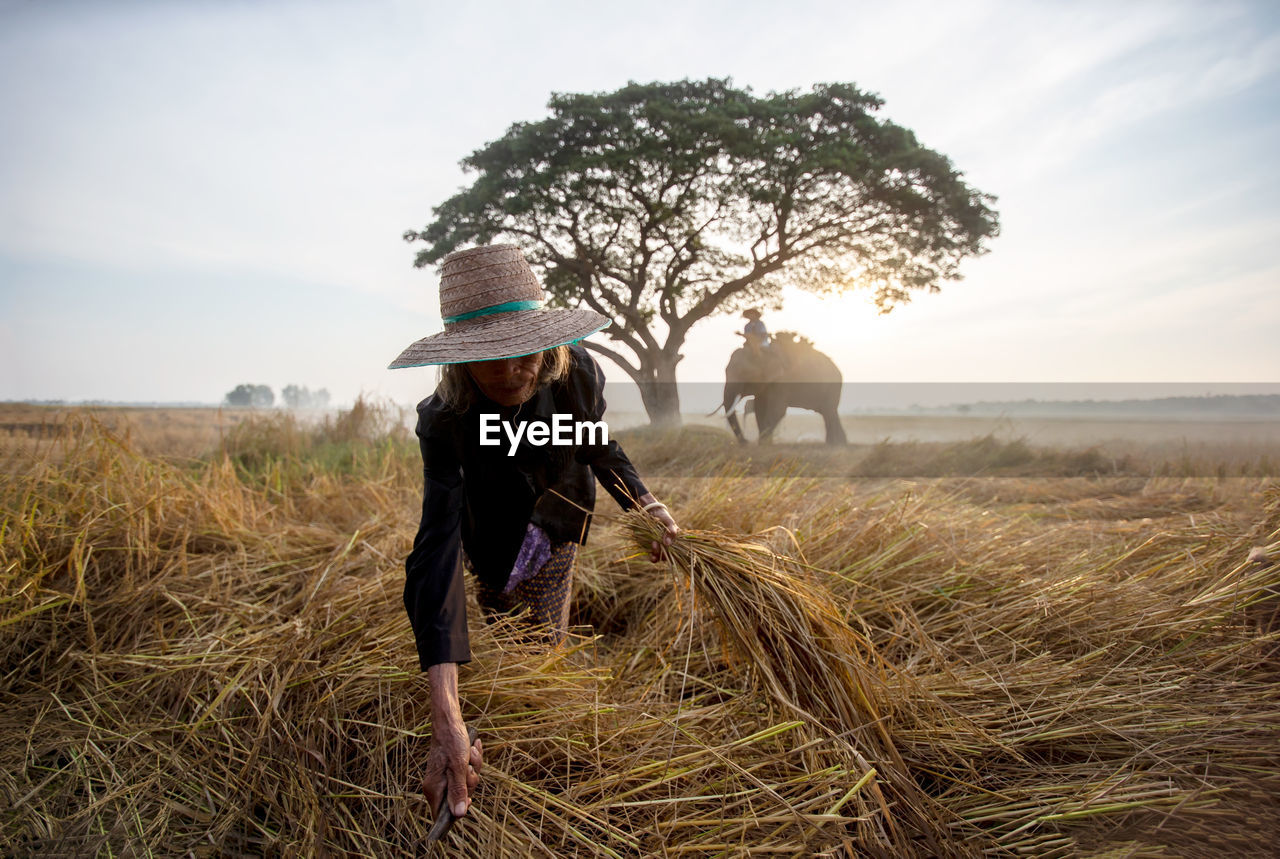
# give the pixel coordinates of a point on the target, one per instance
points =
(514, 511)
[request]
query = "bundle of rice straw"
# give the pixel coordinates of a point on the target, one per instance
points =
(777, 617)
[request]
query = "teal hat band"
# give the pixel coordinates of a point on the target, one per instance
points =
(506, 307)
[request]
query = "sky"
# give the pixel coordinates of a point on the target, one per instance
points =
(199, 194)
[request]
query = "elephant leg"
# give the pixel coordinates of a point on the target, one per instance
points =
(737, 430)
(835, 430)
(768, 418)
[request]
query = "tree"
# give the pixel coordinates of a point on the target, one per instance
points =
(296, 397)
(661, 204)
(240, 397)
(250, 396)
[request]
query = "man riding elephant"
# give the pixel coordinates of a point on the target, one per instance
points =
(792, 374)
(766, 364)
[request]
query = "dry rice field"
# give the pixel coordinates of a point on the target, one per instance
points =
(906, 648)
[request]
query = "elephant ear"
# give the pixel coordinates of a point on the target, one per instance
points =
(739, 365)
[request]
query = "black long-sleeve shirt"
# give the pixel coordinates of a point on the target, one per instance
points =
(482, 499)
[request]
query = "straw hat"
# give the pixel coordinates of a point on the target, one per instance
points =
(492, 306)
(752, 313)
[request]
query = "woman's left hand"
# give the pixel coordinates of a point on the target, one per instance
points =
(658, 552)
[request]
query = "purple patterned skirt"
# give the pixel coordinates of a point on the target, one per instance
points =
(541, 580)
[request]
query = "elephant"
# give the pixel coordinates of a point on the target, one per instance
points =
(795, 374)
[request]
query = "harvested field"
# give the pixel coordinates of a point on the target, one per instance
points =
(170, 432)
(209, 656)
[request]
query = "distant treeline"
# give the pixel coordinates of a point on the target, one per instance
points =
(262, 397)
(1214, 406)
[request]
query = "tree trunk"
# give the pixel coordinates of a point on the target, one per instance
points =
(659, 393)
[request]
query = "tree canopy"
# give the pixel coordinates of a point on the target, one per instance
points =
(302, 397)
(661, 204)
(246, 395)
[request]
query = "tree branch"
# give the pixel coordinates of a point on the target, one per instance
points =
(633, 372)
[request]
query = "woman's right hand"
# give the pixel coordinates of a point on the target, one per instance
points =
(453, 764)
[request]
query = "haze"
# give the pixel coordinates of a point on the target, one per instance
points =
(201, 194)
